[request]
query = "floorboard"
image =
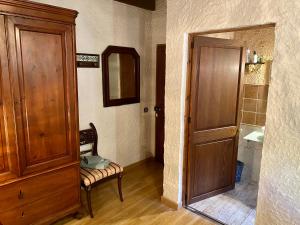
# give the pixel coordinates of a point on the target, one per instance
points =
(142, 189)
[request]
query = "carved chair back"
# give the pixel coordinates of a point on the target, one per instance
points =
(89, 136)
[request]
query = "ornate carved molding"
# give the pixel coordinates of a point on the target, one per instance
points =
(32, 9)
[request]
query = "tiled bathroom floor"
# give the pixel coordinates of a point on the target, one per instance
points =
(236, 207)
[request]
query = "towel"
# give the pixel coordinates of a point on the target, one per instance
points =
(94, 162)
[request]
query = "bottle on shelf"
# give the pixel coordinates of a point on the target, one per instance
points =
(248, 55)
(255, 57)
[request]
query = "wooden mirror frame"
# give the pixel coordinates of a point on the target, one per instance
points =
(107, 102)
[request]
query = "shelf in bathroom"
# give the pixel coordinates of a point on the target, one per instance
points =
(258, 63)
(256, 136)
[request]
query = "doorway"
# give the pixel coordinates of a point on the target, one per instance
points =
(160, 102)
(227, 92)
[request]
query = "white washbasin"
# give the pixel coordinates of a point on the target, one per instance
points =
(257, 136)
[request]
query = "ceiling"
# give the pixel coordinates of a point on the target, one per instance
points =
(145, 4)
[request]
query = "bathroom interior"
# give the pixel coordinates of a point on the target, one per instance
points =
(238, 206)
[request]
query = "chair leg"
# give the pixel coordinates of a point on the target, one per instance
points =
(89, 201)
(120, 186)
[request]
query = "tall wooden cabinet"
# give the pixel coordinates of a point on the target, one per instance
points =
(39, 166)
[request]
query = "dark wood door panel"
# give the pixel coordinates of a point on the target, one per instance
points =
(216, 91)
(210, 163)
(160, 102)
(217, 88)
(45, 105)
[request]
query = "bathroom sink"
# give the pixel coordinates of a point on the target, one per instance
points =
(261, 137)
(256, 136)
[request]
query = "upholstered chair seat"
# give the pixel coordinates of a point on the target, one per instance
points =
(91, 176)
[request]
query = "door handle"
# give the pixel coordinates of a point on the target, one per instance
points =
(157, 109)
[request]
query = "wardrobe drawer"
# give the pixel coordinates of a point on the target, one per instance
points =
(9, 197)
(29, 190)
(43, 210)
(46, 184)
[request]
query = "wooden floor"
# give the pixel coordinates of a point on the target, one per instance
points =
(142, 188)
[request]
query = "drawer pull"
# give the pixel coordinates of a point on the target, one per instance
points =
(21, 195)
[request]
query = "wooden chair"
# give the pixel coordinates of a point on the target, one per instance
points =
(90, 178)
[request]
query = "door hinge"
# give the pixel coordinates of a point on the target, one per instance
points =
(189, 119)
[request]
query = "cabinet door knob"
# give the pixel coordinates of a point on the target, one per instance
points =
(23, 214)
(21, 195)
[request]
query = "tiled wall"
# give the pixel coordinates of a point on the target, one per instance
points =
(257, 77)
(255, 104)
(259, 74)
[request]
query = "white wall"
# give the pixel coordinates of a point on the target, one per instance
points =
(126, 133)
(279, 190)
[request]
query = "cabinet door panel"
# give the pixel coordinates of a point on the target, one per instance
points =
(43, 83)
(8, 148)
(44, 59)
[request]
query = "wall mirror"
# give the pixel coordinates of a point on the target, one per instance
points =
(121, 76)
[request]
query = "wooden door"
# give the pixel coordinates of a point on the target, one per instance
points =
(8, 149)
(216, 91)
(160, 102)
(45, 89)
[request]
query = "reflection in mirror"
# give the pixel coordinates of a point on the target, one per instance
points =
(122, 76)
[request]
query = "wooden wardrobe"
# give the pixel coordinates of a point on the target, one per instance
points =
(39, 144)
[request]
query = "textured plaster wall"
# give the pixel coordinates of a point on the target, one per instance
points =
(279, 191)
(126, 133)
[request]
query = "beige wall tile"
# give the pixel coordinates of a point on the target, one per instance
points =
(250, 105)
(261, 106)
(263, 92)
(260, 119)
(248, 118)
(250, 91)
